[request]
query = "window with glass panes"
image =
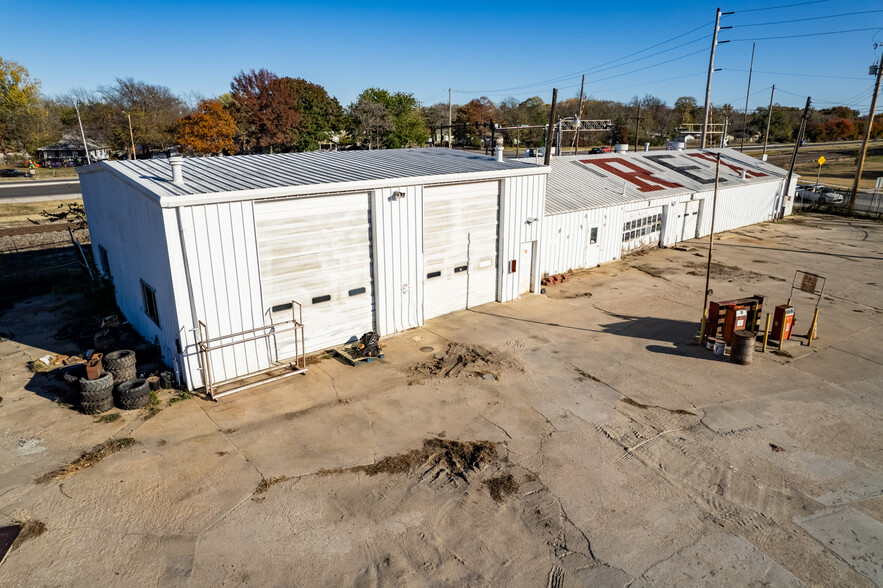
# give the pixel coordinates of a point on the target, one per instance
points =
(635, 229)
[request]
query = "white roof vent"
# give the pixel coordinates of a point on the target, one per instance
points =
(177, 164)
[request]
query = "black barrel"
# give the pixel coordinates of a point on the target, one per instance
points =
(742, 347)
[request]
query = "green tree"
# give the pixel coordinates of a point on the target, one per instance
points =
(22, 117)
(154, 111)
(780, 126)
(321, 115)
(386, 119)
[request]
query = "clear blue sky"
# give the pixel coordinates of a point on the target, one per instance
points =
(497, 49)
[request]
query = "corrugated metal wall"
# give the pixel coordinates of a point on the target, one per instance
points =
(522, 198)
(222, 265)
(740, 206)
(565, 235)
(129, 225)
(398, 259)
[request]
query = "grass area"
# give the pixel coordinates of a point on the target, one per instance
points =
(44, 173)
(14, 212)
(839, 167)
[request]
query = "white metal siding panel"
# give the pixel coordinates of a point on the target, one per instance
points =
(565, 238)
(741, 206)
(315, 247)
(522, 198)
(129, 225)
(398, 259)
(222, 263)
(460, 229)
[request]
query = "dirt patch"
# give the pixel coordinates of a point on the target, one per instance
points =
(636, 404)
(438, 458)
(319, 357)
(501, 486)
(650, 271)
(720, 271)
(578, 295)
(88, 459)
(30, 529)
(264, 485)
(458, 360)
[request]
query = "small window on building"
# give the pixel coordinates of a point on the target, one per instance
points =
(460, 268)
(105, 264)
(593, 236)
(431, 275)
(357, 291)
(148, 298)
(321, 299)
(281, 307)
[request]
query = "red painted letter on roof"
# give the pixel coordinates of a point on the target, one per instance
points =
(637, 175)
(748, 173)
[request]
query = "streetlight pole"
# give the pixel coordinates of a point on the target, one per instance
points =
(132, 137)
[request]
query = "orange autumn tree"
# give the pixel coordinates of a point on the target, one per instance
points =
(209, 130)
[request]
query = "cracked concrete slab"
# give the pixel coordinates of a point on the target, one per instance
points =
(720, 559)
(633, 454)
(854, 536)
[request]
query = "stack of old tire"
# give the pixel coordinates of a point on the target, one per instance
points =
(129, 391)
(97, 394)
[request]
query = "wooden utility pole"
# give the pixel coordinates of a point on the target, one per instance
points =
(861, 157)
(769, 118)
(747, 94)
(717, 173)
(547, 159)
(794, 155)
(579, 115)
(450, 126)
(637, 125)
(717, 22)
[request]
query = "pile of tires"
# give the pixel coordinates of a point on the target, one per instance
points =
(132, 394)
(121, 364)
(97, 395)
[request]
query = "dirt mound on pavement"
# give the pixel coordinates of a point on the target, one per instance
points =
(459, 360)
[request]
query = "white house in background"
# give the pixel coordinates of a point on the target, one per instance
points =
(70, 149)
(600, 207)
(364, 240)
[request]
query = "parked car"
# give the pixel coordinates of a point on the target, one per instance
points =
(820, 194)
(595, 150)
(13, 173)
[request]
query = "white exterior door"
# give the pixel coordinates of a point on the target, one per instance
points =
(525, 266)
(593, 247)
(317, 251)
(459, 247)
(688, 217)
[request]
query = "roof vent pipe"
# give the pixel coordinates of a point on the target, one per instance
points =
(498, 153)
(177, 164)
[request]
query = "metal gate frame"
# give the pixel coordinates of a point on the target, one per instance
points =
(208, 344)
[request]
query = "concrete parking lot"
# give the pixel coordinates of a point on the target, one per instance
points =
(567, 439)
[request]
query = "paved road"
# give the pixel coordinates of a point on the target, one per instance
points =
(38, 191)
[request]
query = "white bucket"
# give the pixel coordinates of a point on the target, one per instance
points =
(719, 348)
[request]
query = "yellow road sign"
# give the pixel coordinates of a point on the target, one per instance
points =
(821, 160)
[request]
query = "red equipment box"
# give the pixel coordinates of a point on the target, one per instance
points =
(784, 315)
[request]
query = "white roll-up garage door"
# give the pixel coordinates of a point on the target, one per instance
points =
(317, 251)
(459, 247)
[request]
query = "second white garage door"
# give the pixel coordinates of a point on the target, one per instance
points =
(459, 247)
(317, 251)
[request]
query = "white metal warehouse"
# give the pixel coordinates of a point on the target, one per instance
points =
(363, 240)
(599, 207)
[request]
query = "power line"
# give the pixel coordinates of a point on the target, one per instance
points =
(778, 22)
(805, 35)
(594, 68)
(783, 6)
(784, 73)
